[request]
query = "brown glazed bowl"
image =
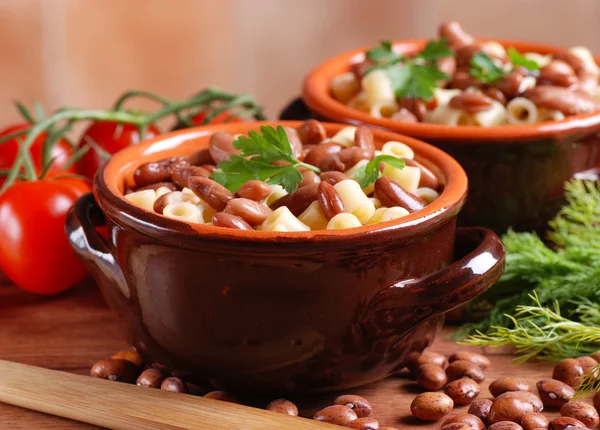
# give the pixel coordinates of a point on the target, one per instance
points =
(516, 173)
(272, 312)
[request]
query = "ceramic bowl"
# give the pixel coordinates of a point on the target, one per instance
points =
(516, 173)
(272, 312)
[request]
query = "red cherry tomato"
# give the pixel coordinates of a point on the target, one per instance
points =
(221, 118)
(61, 151)
(112, 137)
(34, 251)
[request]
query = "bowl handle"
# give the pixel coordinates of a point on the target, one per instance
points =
(406, 304)
(90, 246)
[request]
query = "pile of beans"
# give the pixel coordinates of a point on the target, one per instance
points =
(181, 188)
(513, 407)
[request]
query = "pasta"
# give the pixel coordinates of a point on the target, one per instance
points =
(521, 111)
(408, 177)
(397, 149)
(282, 217)
(378, 88)
(344, 87)
(343, 220)
(183, 211)
(144, 199)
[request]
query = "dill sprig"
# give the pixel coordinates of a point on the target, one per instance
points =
(567, 272)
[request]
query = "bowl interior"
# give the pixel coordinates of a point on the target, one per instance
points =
(316, 93)
(112, 180)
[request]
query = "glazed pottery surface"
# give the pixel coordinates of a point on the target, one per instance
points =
(272, 312)
(516, 173)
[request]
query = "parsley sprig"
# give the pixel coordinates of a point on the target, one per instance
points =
(484, 68)
(416, 76)
(258, 151)
(367, 174)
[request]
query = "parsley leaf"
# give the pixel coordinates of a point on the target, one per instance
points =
(367, 174)
(484, 69)
(518, 60)
(435, 49)
(258, 151)
(383, 53)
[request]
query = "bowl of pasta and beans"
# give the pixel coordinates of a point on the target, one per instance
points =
(520, 117)
(282, 257)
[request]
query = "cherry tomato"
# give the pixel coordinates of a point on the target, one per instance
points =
(221, 118)
(111, 137)
(34, 251)
(61, 151)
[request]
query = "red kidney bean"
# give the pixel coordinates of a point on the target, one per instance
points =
(181, 174)
(596, 400)
(462, 80)
(480, 360)
(170, 185)
(210, 167)
(157, 171)
(415, 359)
(360, 68)
(213, 193)
(252, 212)
(299, 200)
(415, 106)
(587, 83)
(223, 396)
(350, 156)
(455, 34)
(358, 404)
(130, 355)
(311, 132)
(431, 406)
(503, 385)
(509, 409)
(495, 94)
(363, 138)
(329, 200)
(366, 423)
(463, 391)
(431, 376)
(472, 102)
(254, 190)
(333, 177)
(464, 369)
(582, 411)
(308, 178)
(115, 369)
(574, 61)
(331, 163)
(150, 378)
(200, 157)
(294, 140)
(174, 384)
(472, 421)
(554, 393)
(465, 54)
(568, 371)
(566, 423)
(283, 406)
(321, 151)
(533, 421)
(481, 408)
(505, 425)
(221, 146)
(222, 219)
(557, 72)
(510, 84)
(562, 99)
(391, 194)
(336, 414)
(525, 396)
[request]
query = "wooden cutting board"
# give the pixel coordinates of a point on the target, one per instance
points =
(72, 331)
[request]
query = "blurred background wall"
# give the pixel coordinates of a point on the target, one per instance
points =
(85, 52)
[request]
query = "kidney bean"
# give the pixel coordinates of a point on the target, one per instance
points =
(252, 212)
(294, 140)
(481, 408)
(150, 378)
(503, 385)
(317, 154)
(404, 115)
(562, 99)
(350, 156)
(254, 190)
(157, 171)
(332, 163)
(472, 102)
(329, 200)
(584, 412)
(470, 420)
(465, 54)
(336, 414)
(587, 364)
(557, 72)
(358, 404)
(463, 391)
(431, 406)
(574, 61)
(333, 177)
(309, 177)
(156, 186)
(130, 355)
(596, 356)
(416, 359)
(526, 396)
(363, 138)
(464, 369)
(568, 371)
(455, 426)
(505, 425)
(447, 65)
(223, 396)
(566, 423)
(509, 409)
(462, 80)
(181, 174)
(533, 421)
(495, 94)
(554, 393)
(311, 132)
(390, 193)
(366, 423)
(415, 106)
(115, 369)
(587, 83)
(221, 147)
(174, 384)
(200, 157)
(596, 400)
(360, 68)
(431, 376)
(222, 219)
(210, 167)
(283, 406)
(510, 84)
(480, 360)
(455, 34)
(211, 192)
(299, 200)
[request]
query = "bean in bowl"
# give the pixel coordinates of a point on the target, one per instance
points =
(285, 179)
(458, 80)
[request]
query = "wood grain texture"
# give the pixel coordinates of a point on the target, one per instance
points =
(72, 331)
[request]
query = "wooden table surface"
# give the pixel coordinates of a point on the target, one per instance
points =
(74, 330)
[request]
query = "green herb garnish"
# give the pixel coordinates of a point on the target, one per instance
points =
(414, 77)
(258, 151)
(518, 60)
(367, 174)
(484, 68)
